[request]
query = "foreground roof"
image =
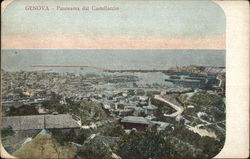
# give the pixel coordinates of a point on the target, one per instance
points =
(30, 122)
(135, 119)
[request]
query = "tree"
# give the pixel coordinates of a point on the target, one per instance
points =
(113, 129)
(62, 137)
(143, 145)
(97, 150)
(23, 110)
(7, 132)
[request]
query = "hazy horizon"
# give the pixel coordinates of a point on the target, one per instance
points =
(110, 59)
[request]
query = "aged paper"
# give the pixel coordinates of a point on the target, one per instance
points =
(125, 79)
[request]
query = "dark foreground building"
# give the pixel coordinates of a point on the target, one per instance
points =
(134, 122)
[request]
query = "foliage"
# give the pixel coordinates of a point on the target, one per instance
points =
(211, 104)
(23, 110)
(183, 99)
(87, 111)
(209, 146)
(53, 104)
(81, 136)
(203, 100)
(7, 132)
(113, 129)
(139, 145)
(162, 108)
(4, 111)
(95, 151)
(91, 112)
(144, 145)
(207, 100)
(62, 137)
(178, 143)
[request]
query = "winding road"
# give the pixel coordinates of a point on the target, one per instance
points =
(179, 109)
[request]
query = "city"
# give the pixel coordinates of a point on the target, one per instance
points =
(115, 110)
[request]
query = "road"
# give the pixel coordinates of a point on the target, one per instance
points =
(179, 109)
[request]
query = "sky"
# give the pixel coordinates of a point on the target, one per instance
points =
(136, 25)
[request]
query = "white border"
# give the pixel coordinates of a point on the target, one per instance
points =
(237, 79)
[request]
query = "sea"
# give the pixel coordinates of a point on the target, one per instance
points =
(17, 60)
(22, 60)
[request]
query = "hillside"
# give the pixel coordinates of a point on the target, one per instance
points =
(44, 146)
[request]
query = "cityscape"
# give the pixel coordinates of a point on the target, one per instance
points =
(116, 113)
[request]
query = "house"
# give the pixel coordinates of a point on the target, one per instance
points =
(122, 112)
(36, 122)
(160, 126)
(134, 122)
(124, 94)
(142, 98)
(138, 111)
(63, 101)
(150, 109)
(142, 103)
(150, 117)
(42, 110)
(65, 121)
(106, 106)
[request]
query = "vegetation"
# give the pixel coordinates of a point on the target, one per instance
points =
(139, 145)
(77, 136)
(144, 145)
(209, 146)
(162, 108)
(4, 111)
(54, 104)
(62, 137)
(113, 129)
(87, 111)
(207, 100)
(211, 104)
(95, 151)
(179, 143)
(214, 108)
(90, 112)
(7, 132)
(45, 146)
(183, 99)
(23, 110)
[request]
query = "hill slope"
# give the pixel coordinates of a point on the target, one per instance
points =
(44, 146)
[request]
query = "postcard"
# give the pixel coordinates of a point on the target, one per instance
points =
(119, 79)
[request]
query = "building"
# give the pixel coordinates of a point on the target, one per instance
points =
(108, 140)
(150, 109)
(160, 126)
(36, 122)
(134, 122)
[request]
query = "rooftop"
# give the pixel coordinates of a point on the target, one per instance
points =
(105, 139)
(151, 107)
(135, 119)
(31, 122)
(60, 121)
